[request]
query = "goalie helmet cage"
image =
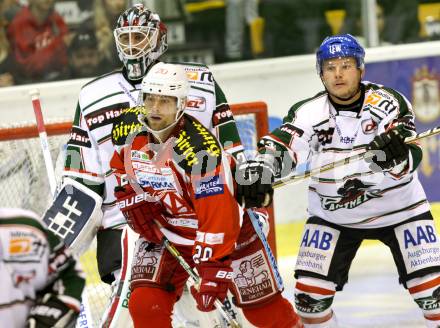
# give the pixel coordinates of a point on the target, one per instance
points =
(24, 182)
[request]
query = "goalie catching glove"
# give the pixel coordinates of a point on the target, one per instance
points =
(49, 312)
(254, 182)
(139, 212)
(215, 279)
(392, 144)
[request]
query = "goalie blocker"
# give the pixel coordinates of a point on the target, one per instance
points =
(75, 215)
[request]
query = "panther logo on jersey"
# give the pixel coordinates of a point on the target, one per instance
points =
(325, 136)
(352, 194)
(306, 303)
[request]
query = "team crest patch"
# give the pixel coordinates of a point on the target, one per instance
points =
(252, 278)
(426, 95)
(210, 187)
(146, 260)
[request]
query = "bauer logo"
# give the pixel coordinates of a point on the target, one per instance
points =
(209, 188)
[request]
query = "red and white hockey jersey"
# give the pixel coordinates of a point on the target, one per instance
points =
(191, 176)
(105, 115)
(352, 195)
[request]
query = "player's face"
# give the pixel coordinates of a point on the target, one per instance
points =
(137, 42)
(341, 77)
(161, 111)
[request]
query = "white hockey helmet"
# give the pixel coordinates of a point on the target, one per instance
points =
(167, 80)
(141, 38)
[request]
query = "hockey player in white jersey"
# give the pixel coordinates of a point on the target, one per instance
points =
(106, 113)
(380, 199)
(41, 281)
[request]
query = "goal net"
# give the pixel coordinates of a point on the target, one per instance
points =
(24, 183)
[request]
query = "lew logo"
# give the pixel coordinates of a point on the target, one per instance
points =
(334, 48)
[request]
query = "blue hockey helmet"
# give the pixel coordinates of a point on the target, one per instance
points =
(339, 46)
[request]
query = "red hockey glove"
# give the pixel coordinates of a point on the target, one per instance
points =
(215, 279)
(139, 213)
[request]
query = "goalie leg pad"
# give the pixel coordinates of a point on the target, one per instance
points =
(75, 215)
(108, 253)
(426, 293)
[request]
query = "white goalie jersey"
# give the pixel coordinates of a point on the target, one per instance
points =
(353, 195)
(107, 113)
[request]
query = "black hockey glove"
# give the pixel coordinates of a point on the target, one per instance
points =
(254, 182)
(50, 311)
(394, 150)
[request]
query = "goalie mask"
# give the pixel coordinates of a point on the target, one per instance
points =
(169, 80)
(340, 46)
(141, 38)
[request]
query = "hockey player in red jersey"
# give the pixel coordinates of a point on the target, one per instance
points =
(103, 119)
(176, 173)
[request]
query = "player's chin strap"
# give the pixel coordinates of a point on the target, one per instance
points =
(258, 229)
(192, 273)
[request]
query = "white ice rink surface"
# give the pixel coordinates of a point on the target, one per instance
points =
(372, 297)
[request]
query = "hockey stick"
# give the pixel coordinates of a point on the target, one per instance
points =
(35, 96)
(193, 274)
(272, 260)
(363, 155)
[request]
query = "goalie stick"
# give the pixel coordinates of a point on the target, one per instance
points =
(36, 104)
(350, 159)
(121, 314)
(193, 274)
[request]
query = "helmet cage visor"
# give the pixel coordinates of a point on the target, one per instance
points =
(135, 42)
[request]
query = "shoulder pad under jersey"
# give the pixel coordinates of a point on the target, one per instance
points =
(125, 124)
(196, 149)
